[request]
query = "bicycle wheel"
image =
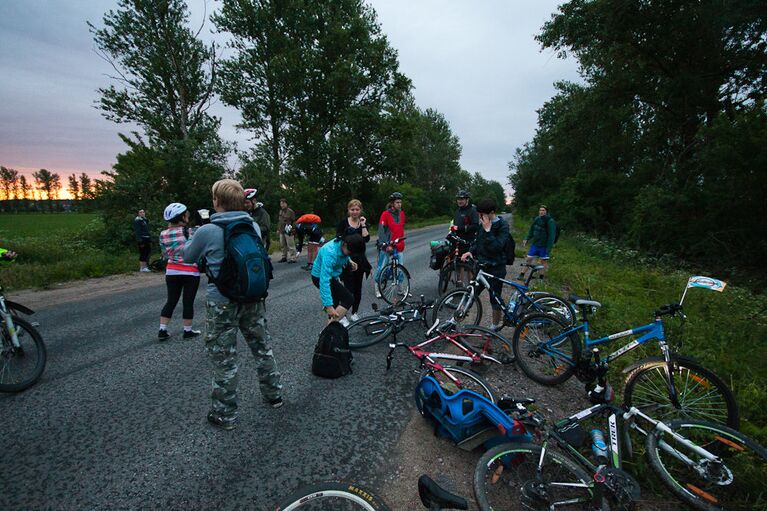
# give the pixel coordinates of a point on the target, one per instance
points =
(332, 496)
(454, 275)
(543, 352)
(394, 284)
(488, 342)
(551, 304)
(368, 331)
(21, 367)
(506, 478)
(464, 379)
(461, 305)
(702, 394)
(734, 482)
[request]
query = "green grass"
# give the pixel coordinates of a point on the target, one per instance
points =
(56, 248)
(726, 332)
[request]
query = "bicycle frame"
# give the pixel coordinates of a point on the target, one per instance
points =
(418, 351)
(7, 318)
(509, 313)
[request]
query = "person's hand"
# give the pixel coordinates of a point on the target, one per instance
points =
(466, 256)
(485, 221)
(330, 310)
(389, 249)
(363, 222)
(353, 265)
(524, 243)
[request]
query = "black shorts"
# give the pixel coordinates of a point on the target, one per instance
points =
(341, 295)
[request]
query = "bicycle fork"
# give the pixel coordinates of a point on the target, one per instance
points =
(9, 324)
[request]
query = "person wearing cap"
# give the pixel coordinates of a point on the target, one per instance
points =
(259, 215)
(466, 223)
(391, 225)
(543, 232)
(180, 278)
(326, 270)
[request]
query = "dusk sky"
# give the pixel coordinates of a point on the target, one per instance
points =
(475, 62)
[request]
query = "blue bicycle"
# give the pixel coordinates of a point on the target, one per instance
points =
(671, 386)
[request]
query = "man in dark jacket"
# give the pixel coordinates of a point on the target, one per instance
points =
(141, 230)
(489, 249)
(543, 232)
(466, 223)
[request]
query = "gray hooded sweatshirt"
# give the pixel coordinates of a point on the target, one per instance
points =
(208, 242)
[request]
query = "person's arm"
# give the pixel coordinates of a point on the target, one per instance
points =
(326, 274)
(194, 247)
(552, 228)
(137, 229)
(494, 240)
(473, 227)
(365, 232)
(384, 232)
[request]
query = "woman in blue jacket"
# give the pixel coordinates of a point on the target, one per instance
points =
(327, 268)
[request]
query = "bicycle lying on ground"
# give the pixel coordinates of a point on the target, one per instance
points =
(465, 306)
(370, 330)
(393, 280)
(336, 496)
(23, 355)
(707, 465)
(549, 351)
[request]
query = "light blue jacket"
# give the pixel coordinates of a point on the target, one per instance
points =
(328, 265)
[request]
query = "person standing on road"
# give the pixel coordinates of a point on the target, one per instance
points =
(285, 222)
(355, 223)
(259, 215)
(141, 230)
(466, 223)
(327, 268)
(488, 249)
(543, 232)
(225, 317)
(391, 226)
(180, 278)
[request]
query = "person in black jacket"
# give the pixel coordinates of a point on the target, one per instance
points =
(144, 240)
(466, 222)
(355, 223)
(488, 249)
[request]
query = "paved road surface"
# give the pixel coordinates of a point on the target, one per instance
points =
(118, 420)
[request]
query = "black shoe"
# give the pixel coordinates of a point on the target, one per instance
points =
(292, 262)
(163, 335)
(276, 403)
(189, 334)
(283, 260)
(220, 422)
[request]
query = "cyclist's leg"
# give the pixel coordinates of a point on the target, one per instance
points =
(191, 285)
(175, 284)
(497, 287)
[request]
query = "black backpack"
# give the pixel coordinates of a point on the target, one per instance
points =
(332, 357)
(246, 269)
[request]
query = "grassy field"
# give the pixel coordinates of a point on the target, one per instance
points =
(57, 248)
(726, 332)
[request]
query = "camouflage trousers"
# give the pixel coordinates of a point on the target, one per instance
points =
(223, 322)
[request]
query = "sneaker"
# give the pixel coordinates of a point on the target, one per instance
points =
(355, 317)
(307, 267)
(190, 334)
(220, 422)
(344, 321)
(276, 403)
(163, 335)
(495, 328)
(145, 270)
(378, 293)
(283, 260)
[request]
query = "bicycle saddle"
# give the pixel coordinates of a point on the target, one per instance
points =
(577, 300)
(435, 497)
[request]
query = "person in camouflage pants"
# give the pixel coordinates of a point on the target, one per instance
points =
(223, 321)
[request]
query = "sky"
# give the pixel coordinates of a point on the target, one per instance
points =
(475, 62)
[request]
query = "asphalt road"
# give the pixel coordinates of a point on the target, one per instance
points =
(118, 420)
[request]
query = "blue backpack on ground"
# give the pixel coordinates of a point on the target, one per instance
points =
(465, 417)
(246, 269)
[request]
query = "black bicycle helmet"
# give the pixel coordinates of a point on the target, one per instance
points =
(395, 196)
(462, 194)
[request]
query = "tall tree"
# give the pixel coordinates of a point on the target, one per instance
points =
(8, 179)
(74, 187)
(86, 186)
(24, 187)
(46, 182)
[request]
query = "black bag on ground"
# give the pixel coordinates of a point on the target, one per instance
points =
(332, 357)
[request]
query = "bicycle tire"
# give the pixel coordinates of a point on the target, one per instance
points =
(332, 495)
(394, 284)
(715, 403)
(459, 305)
(543, 368)
(368, 331)
(551, 304)
(507, 474)
(491, 343)
(469, 381)
(745, 463)
(29, 338)
(448, 276)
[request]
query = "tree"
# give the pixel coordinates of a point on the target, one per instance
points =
(9, 179)
(24, 187)
(86, 186)
(46, 182)
(74, 187)
(164, 83)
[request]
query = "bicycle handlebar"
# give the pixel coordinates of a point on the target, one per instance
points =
(393, 242)
(668, 309)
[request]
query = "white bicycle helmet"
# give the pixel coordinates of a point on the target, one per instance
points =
(250, 193)
(173, 210)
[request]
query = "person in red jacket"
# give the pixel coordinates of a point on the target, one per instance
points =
(390, 227)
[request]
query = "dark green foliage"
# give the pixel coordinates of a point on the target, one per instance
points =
(664, 143)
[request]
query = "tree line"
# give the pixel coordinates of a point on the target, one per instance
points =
(318, 89)
(44, 185)
(663, 144)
